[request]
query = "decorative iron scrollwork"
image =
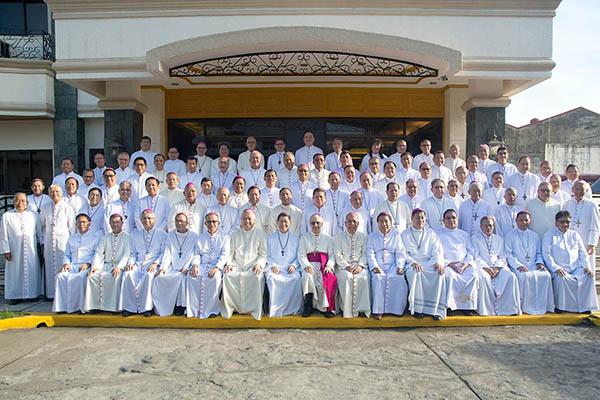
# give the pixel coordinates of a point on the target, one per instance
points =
(28, 46)
(299, 63)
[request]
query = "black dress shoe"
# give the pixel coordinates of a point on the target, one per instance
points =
(147, 313)
(48, 299)
(14, 302)
(179, 311)
(126, 313)
(418, 315)
(451, 313)
(586, 312)
(328, 314)
(93, 311)
(556, 310)
(469, 313)
(308, 298)
(436, 317)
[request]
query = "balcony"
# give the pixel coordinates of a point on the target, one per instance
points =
(30, 46)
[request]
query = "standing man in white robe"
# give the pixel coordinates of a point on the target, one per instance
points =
(94, 208)
(203, 283)
(275, 160)
(227, 213)
(425, 179)
(524, 182)
(255, 173)
(424, 269)
(483, 151)
(88, 182)
(282, 270)
(336, 199)
(567, 259)
(138, 180)
(191, 175)
(155, 202)
(305, 154)
(463, 184)
(269, 195)
(206, 195)
(424, 156)
(524, 256)
(471, 211)
(319, 175)
(398, 210)
(168, 287)
(462, 275)
(401, 147)
(357, 206)
(412, 198)
(262, 212)
(72, 197)
(285, 196)
(371, 197)
(243, 279)
(557, 193)
(542, 210)
(454, 161)
(502, 165)
(494, 195)
(499, 288)
(302, 189)
(110, 189)
(389, 175)
(223, 177)
(438, 170)
(205, 163)
(238, 194)
(349, 181)
(72, 277)
(572, 173)
(103, 285)
(473, 173)
(123, 171)
(100, 162)
(174, 164)
(191, 207)
(122, 206)
(287, 173)
(19, 233)
(435, 206)
(332, 161)
(319, 206)
(145, 152)
(352, 269)
(58, 224)
(171, 190)
(244, 159)
(452, 193)
(37, 198)
(506, 215)
(147, 248)
(224, 152)
(66, 167)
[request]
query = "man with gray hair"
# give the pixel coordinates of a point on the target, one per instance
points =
(471, 211)
(542, 210)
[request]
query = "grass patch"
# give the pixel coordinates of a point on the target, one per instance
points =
(10, 314)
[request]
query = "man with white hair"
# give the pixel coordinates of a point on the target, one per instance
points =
(386, 257)
(223, 177)
(122, 206)
(435, 206)
(243, 279)
(171, 190)
(473, 173)
(524, 182)
(557, 193)
(454, 161)
(351, 269)
(506, 214)
(357, 206)
(245, 159)
(413, 197)
(542, 210)
(397, 210)
(471, 211)
(191, 207)
(255, 173)
(227, 214)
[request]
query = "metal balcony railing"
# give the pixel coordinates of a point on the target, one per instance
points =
(30, 46)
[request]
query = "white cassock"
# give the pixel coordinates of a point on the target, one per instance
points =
(227, 216)
(428, 292)
(319, 178)
(232, 166)
(332, 161)
(62, 177)
(542, 215)
(381, 185)
(195, 178)
(330, 222)
(237, 200)
(294, 213)
(463, 191)
(285, 289)
(353, 289)
(270, 197)
(176, 166)
(364, 164)
(243, 162)
(254, 177)
(147, 248)
(420, 159)
(349, 187)
(470, 214)
(159, 205)
(425, 187)
(35, 203)
(305, 154)
(498, 296)
(126, 210)
(275, 161)
(262, 214)
(148, 156)
(364, 219)
(125, 175)
(202, 292)
(96, 215)
(411, 202)
(441, 172)
(168, 290)
(84, 189)
(76, 201)
(567, 187)
(457, 200)
(285, 177)
(484, 165)
(453, 163)
(222, 180)
(58, 224)
(309, 243)
(524, 249)
(242, 289)
(207, 200)
(98, 176)
(109, 194)
(371, 199)
(204, 165)
(19, 232)
(70, 285)
(560, 196)
(576, 291)
(494, 197)
(585, 221)
(102, 289)
(435, 209)
(138, 186)
(396, 158)
(463, 288)
(526, 186)
(195, 214)
(477, 177)
(402, 175)
(388, 289)
(337, 200)
(302, 194)
(506, 216)
(160, 175)
(173, 196)
(507, 170)
(399, 212)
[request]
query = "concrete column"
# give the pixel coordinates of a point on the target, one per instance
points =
(455, 127)
(69, 133)
(485, 118)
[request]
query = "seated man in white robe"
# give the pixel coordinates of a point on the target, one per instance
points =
(424, 269)
(238, 196)
(203, 283)
(471, 211)
(317, 260)
(71, 279)
(227, 214)
(171, 191)
(103, 284)
(499, 288)
(285, 196)
(94, 208)
(191, 207)
(398, 210)
(243, 279)
(435, 206)
(506, 214)
(494, 195)
(168, 288)
(542, 210)
(262, 212)
(19, 232)
(319, 206)
(524, 256)
(123, 206)
(352, 269)
(565, 256)
(412, 198)
(357, 206)
(154, 202)
(386, 258)
(282, 270)
(269, 195)
(147, 248)
(462, 276)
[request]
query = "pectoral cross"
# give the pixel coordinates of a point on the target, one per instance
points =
(524, 197)
(578, 223)
(462, 195)
(283, 252)
(527, 257)
(475, 216)
(180, 253)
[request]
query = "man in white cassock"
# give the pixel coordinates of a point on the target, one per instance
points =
(74, 199)
(206, 196)
(191, 175)
(586, 220)
(349, 181)
(138, 179)
(506, 214)
(103, 285)
(452, 193)
(471, 211)
(435, 206)
(262, 212)
(398, 210)
(171, 191)
(424, 269)
(438, 170)
(94, 208)
(203, 283)
(566, 258)
(389, 176)
(473, 173)
(494, 195)
(168, 287)
(205, 163)
(350, 248)
(386, 258)
(223, 177)
(336, 199)
(319, 206)
(463, 184)
(405, 170)
(371, 197)
(238, 196)
(412, 198)
(286, 206)
(227, 214)
(155, 202)
(19, 233)
(524, 182)
(319, 175)
(454, 161)
(524, 256)
(572, 173)
(287, 173)
(357, 206)
(37, 198)
(122, 206)
(542, 210)
(110, 189)
(304, 155)
(255, 174)
(282, 271)
(269, 195)
(499, 288)
(425, 180)
(191, 207)
(244, 161)
(58, 224)
(302, 189)
(243, 279)
(72, 277)
(317, 260)
(557, 193)
(462, 275)
(147, 248)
